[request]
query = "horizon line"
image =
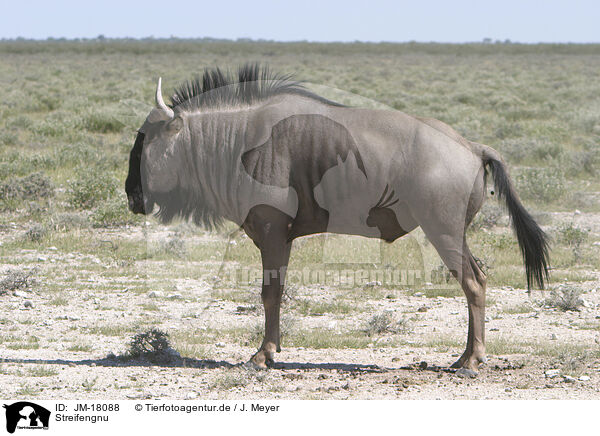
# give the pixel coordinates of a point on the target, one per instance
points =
(102, 38)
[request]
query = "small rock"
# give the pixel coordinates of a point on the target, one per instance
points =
(584, 378)
(28, 304)
(422, 309)
(220, 344)
(191, 395)
(346, 386)
(508, 390)
(155, 294)
(494, 329)
(42, 258)
(373, 284)
(423, 365)
(175, 296)
(569, 379)
(454, 313)
(553, 337)
(73, 317)
(21, 294)
(551, 373)
(418, 294)
(577, 212)
(52, 248)
(245, 309)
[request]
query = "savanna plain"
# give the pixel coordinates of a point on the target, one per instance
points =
(96, 303)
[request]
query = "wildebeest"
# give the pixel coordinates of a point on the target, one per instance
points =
(262, 151)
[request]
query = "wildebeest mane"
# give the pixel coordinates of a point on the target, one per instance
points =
(252, 83)
(180, 203)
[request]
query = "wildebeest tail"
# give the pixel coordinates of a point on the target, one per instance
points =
(533, 242)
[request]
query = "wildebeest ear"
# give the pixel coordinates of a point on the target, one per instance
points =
(175, 124)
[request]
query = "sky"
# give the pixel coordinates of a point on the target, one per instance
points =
(526, 21)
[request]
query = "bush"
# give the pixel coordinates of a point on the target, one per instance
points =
(35, 233)
(586, 161)
(69, 220)
(541, 184)
(16, 279)
(533, 150)
(565, 298)
(31, 187)
(113, 212)
(384, 323)
(90, 188)
(173, 247)
(488, 216)
(103, 123)
(152, 345)
(571, 235)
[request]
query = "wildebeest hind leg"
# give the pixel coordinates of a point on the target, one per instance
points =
(455, 253)
(474, 286)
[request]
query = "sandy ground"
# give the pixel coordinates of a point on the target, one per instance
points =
(378, 371)
(535, 351)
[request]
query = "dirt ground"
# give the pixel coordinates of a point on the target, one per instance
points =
(535, 352)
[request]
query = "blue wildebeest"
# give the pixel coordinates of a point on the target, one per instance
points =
(262, 151)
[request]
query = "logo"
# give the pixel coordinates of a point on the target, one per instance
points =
(26, 415)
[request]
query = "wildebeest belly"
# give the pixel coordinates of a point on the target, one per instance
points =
(320, 162)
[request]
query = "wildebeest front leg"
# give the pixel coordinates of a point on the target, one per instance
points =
(269, 229)
(275, 256)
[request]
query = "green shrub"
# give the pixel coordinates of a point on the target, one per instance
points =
(488, 216)
(8, 138)
(571, 235)
(35, 233)
(31, 187)
(102, 123)
(565, 298)
(541, 184)
(533, 150)
(16, 279)
(152, 345)
(586, 161)
(76, 154)
(90, 188)
(385, 323)
(69, 220)
(113, 212)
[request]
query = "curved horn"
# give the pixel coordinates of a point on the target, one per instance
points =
(160, 102)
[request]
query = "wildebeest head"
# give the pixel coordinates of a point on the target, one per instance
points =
(154, 158)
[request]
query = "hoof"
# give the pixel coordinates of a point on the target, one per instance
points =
(473, 361)
(457, 364)
(252, 366)
(465, 373)
(261, 360)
